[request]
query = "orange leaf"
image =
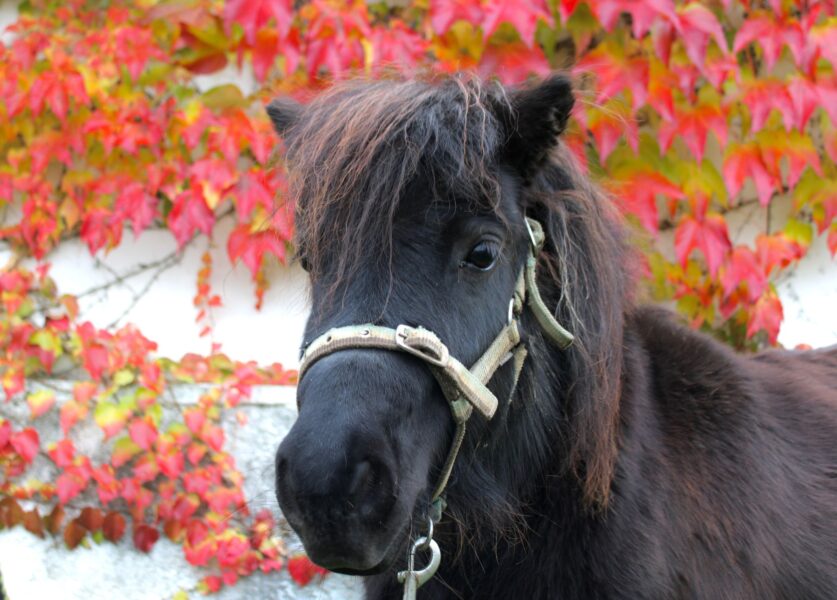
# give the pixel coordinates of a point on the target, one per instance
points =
(32, 522)
(73, 534)
(113, 527)
(91, 519)
(54, 520)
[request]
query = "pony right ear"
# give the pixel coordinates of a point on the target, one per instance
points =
(537, 116)
(283, 113)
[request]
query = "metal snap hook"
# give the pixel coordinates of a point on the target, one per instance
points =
(424, 575)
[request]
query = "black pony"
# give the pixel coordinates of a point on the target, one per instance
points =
(644, 461)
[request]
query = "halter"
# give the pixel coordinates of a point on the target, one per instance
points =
(465, 389)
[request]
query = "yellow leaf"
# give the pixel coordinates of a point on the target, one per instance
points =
(368, 54)
(223, 96)
(468, 38)
(210, 195)
(123, 377)
(193, 110)
(46, 339)
(40, 402)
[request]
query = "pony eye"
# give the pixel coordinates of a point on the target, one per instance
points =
(482, 256)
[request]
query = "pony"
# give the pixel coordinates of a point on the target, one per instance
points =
(645, 460)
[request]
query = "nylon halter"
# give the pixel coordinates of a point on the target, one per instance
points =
(465, 389)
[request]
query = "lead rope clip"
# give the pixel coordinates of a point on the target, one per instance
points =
(413, 579)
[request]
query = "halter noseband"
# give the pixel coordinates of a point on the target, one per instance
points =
(465, 389)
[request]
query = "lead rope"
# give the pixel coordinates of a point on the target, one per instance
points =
(464, 388)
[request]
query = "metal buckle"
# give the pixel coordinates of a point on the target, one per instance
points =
(437, 356)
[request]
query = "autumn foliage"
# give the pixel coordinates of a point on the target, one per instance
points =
(687, 110)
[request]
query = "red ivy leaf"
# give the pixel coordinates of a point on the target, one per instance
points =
(765, 29)
(255, 14)
(250, 248)
(171, 464)
(71, 412)
(444, 13)
(194, 418)
(762, 96)
(693, 125)
(265, 50)
(697, 25)
(70, 483)
(143, 433)
(638, 196)
(63, 453)
(522, 14)
(744, 160)
(107, 485)
(136, 204)
(608, 127)
(26, 443)
(190, 213)
(302, 570)
(743, 267)
(777, 251)
(213, 583)
(145, 537)
(616, 72)
(214, 436)
(709, 235)
(398, 45)
(5, 434)
(767, 316)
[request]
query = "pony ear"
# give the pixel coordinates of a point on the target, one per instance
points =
(534, 120)
(283, 113)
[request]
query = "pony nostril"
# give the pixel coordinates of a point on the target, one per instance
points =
(362, 480)
(370, 489)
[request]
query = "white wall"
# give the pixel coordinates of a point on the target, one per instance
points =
(166, 314)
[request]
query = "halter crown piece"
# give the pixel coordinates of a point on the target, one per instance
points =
(465, 389)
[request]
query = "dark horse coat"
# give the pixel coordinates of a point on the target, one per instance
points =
(646, 461)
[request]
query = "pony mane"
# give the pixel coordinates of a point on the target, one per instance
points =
(587, 271)
(353, 155)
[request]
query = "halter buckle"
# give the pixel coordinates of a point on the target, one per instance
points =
(422, 343)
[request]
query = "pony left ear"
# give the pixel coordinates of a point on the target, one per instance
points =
(537, 116)
(283, 113)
